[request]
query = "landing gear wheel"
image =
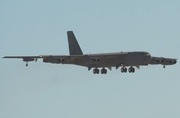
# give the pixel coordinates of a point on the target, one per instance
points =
(124, 70)
(26, 64)
(131, 70)
(103, 71)
(96, 71)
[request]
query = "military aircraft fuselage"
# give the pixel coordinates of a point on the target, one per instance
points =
(100, 60)
(108, 60)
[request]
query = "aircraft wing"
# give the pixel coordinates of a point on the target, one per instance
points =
(53, 58)
(41, 56)
(32, 58)
(101, 56)
(75, 59)
(22, 57)
(46, 58)
(25, 58)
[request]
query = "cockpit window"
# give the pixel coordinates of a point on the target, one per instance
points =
(145, 53)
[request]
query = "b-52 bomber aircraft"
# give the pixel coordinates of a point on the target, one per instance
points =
(102, 60)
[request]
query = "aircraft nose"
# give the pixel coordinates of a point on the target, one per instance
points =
(175, 61)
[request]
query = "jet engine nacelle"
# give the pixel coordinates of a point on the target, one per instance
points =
(53, 60)
(28, 59)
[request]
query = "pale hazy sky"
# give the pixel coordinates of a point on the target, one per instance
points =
(43, 90)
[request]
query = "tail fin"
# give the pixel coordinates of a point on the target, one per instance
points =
(74, 48)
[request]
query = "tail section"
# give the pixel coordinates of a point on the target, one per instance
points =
(74, 48)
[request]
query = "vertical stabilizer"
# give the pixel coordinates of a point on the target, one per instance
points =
(74, 48)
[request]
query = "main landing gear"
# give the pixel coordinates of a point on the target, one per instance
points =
(123, 70)
(131, 70)
(96, 71)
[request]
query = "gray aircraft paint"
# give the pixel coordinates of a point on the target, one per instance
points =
(74, 48)
(101, 60)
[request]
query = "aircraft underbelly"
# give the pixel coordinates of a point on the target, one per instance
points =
(128, 60)
(103, 63)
